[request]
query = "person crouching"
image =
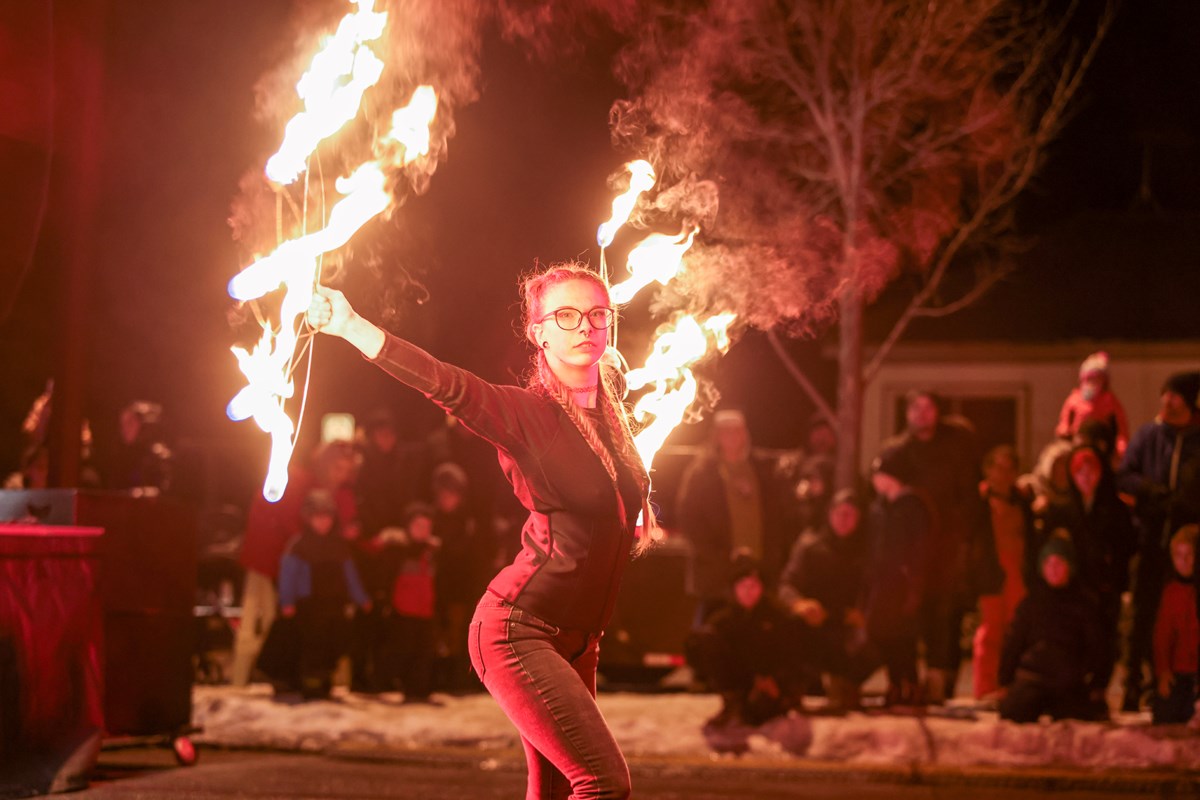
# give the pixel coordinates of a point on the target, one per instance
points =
(746, 649)
(1055, 659)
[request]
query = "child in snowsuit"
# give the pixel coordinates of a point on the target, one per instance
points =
(1177, 635)
(318, 582)
(412, 553)
(1092, 399)
(1055, 659)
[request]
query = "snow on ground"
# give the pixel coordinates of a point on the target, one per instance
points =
(672, 725)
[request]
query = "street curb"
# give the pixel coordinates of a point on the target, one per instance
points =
(1125, 781)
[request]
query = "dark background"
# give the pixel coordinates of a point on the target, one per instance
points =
(525, 180)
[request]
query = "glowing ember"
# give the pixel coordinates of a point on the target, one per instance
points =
(332, 90)
(658, 258)
(641, 179)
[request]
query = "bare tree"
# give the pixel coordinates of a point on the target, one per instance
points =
(851, 141)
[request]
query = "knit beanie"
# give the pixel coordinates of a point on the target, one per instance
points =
(1059, 544)
(844, 496)
(743, 565)
(1095, 363)
(318, 501)
(1186, 385)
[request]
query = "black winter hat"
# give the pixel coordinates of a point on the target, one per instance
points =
(743, 565)
(1059, 544)
(319, 501)
(1187, 386)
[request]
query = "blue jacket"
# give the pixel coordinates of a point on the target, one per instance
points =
(1164, 501)
(295, 581)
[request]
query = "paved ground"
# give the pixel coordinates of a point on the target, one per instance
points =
(145, 774)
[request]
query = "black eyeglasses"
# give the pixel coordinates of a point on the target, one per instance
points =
(569, 318)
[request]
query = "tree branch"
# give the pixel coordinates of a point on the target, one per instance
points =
(823, 407)
(981, 287)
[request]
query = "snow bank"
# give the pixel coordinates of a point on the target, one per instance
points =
(673, 725)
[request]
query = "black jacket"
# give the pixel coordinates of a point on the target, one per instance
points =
(579, 534)
(1056, 638)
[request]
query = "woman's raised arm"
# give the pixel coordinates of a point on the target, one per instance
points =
(330, 312)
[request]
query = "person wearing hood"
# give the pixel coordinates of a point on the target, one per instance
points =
(1161, 471)
(1093, 399)
(1177, 635)
(822, 586)
(1054, 660)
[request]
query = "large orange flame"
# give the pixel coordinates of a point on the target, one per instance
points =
(659, 258)
(332, 90)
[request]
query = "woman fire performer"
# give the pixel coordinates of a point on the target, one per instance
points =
(567, 448)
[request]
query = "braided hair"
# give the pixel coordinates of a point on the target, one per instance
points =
(610, 391)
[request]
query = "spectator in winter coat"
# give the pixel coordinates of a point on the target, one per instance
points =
(1054, 659)
(462, 571)
(727, 504)
(900, 532)
(746, 650)
(391, 475)
(945, 468)
(1161, 470)
(1102, 533)
(1093, 399)
(1177, 635)
(413, 553)
(318, 582)
(822, 586)
(1050, 480)
(1010, 518)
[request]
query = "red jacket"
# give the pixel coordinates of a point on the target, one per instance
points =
(1104, 407)
(576, 542)
(1176, 630)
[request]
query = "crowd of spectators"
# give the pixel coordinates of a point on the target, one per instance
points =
(1046, 580)
(377, 552)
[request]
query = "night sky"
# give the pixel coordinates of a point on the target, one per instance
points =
(525, 180)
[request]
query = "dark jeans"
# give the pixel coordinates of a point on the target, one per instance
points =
(1179, 705)
(544, 679)
(415, 651)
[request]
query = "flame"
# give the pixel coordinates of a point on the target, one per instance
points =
(410, 125)
(332, 90)
(293, 262)
(641, 179)
(263, 399)
(659, 257)
(668, 368)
